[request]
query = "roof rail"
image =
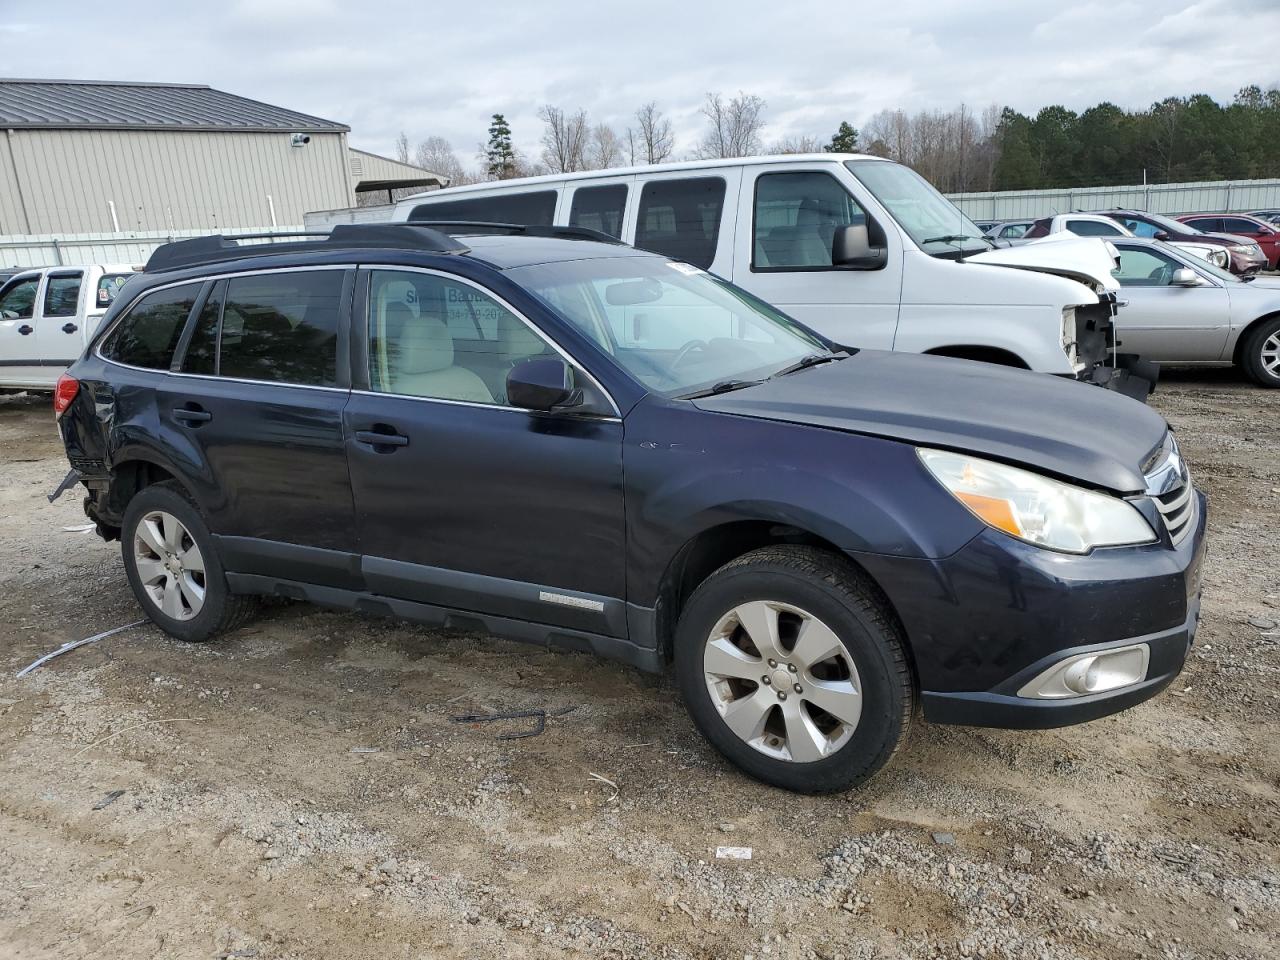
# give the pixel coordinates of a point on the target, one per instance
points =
(517, 229)
(201, 250)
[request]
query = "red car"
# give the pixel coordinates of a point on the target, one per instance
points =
(1266, 235)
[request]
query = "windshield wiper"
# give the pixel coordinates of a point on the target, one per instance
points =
(812, 360)
(950, 238)
(724, 386)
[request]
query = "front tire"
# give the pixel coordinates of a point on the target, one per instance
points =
(173, 567)
(1260, 353)
(791, 664)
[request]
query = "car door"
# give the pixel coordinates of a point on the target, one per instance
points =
(59, 321)
(464, 501)
(19, 349)
(1164, 321)
(255, 400)
(787, 218)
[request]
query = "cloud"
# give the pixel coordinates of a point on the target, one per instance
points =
(389, 65)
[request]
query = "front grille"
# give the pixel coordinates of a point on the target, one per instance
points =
(1169, 485)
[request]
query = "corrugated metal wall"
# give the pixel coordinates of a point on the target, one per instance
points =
(61, 181)
(1209, 197)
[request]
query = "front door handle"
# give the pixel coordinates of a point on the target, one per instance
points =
(26, 329)
(373, 438)
(188, 415)
(69, 327)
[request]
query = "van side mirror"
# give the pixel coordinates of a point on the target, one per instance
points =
(542, 383)
(1184, 277)
(851, 249)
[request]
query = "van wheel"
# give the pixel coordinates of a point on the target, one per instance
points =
(174, 569)
(790, 664)
(1260, 354)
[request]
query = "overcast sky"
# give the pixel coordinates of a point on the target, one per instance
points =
(382, 67)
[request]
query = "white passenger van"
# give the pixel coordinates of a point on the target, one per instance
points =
(47, 315)
(862, 249)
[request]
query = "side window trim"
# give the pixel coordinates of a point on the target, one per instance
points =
(360, 328)
(184, 340)
(755, 199)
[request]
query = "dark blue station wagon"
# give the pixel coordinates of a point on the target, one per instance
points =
(549, 436)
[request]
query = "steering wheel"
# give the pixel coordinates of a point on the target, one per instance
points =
(687, 349)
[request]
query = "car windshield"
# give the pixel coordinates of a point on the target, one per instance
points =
(677, 329)
(935, 223)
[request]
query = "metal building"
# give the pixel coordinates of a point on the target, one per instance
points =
(89, 157)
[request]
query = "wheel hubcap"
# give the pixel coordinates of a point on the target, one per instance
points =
(1271, 354)
(169, 565)
(782, 681)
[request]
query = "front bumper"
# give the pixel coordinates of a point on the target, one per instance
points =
(983, 622)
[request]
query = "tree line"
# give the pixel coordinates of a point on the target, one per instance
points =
(958, 150)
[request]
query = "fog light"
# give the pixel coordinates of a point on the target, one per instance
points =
(1090, 673)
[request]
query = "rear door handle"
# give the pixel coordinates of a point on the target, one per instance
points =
(69, 328)
(26, 328)
(192, 416)
(374, 439)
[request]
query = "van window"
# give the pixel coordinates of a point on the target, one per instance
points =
(282, 327)
(19, 299)
(62, 294)
(536, 209)
(681, 218)
(599, 208)
(146, 337)
(796, 216)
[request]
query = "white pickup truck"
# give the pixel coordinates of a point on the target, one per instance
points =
(47, 315)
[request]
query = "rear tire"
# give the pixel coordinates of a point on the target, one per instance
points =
(1260, 353)
(770, 641)
(173, 567)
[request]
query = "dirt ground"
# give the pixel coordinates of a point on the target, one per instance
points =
(297, 789)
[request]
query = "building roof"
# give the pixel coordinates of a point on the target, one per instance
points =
(114, 105)
(373, 172)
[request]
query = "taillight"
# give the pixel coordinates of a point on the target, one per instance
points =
(66, 390)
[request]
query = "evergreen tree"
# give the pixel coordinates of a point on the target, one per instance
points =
(845, 140)
(500, 155)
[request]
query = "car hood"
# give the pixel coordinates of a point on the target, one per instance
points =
(1076, 431)
(1233, 239)
(1088, 260)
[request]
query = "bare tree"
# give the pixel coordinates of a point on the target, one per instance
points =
(653, 141)
(564, 140)
(734, 126)
(805, 144)
(436, 154)
(605, 149)
(402, 147)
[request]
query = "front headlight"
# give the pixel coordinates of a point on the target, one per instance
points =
(1033, 508)
(1244, 249)
(1220, 257)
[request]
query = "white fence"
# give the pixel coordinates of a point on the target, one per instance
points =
(1218, 196)
(113, 248)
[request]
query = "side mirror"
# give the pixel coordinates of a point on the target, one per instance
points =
(541, 383)
(1160, 235)
(851, 249)
(1184, 277)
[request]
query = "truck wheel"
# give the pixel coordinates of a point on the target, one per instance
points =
(791, 665)
(174, 569)
(1260, 353)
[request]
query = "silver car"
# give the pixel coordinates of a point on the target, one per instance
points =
(1179, 308)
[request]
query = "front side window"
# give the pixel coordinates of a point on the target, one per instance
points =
(674, 328)
(440, 338)
(535, 208)
(62, 294)
(1236, 225)
(1092, 228)
(796, 217)
(281, 327)
(149, 332)
(599, 208)
(1014, 231)
(1144, 267)
(681, 218)
(937, 225)
(18, 301)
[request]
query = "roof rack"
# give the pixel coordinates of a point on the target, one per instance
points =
(402, 236)
(517, 229)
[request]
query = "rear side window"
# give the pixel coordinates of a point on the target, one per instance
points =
(536, 208)
(147, 335)
(62, 294)
(681, 218)
(599, 208)
(281, 327)
(1092, 228)
(109, 285)
(18, 300)
(202, 349)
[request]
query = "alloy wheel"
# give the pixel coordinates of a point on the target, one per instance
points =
(782, 681)
(1270, 355)
(170, 566)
